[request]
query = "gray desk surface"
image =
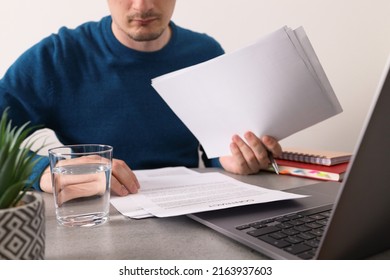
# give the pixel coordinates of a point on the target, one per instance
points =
(154, 238)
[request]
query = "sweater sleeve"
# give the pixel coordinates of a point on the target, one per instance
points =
(42, 163)
(209, 162)
(27, 86)
(26, 89)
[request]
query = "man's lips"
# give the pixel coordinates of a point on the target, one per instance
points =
(143, 21)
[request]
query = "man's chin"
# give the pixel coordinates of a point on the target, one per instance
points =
(144, 38)
(145, 35)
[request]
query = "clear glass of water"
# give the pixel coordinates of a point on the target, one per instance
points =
(81, 181)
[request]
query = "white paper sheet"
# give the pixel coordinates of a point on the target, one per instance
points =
(274, 87)
(129, 207)
(185, 194)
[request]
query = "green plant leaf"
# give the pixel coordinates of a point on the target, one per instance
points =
(16, 162)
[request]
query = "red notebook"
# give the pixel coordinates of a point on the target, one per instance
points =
(313, 171)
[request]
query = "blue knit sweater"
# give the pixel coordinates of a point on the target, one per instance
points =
(89, 88)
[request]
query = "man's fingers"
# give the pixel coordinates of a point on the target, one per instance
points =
(74, 186)
(258, 149)
(123, 177)
(117, 188)
(272, 145)
(248, 154)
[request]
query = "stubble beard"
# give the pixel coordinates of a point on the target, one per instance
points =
(141, 36)
(145, 37)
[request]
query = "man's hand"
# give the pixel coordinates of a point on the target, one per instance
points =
(123, 181)
(251, 156)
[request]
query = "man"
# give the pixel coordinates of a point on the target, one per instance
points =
(92, 85)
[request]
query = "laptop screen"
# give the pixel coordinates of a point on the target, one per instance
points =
(361, 219)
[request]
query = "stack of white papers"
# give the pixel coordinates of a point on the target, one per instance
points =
(274, 87)
(179, 191)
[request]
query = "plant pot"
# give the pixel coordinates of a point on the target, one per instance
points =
(22, 229)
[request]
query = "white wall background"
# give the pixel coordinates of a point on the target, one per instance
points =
(351, 39)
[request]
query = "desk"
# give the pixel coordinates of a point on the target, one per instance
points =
(155, 238)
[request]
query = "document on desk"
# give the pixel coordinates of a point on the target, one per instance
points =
(175, 195)
(129, 206)
(275, 86)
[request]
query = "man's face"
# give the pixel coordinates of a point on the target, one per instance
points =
(141, 20)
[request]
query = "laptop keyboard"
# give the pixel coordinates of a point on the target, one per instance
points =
(298, 233)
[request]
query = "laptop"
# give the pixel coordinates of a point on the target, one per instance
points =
(348, 220)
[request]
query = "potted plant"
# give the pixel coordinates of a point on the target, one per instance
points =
(22, 219)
